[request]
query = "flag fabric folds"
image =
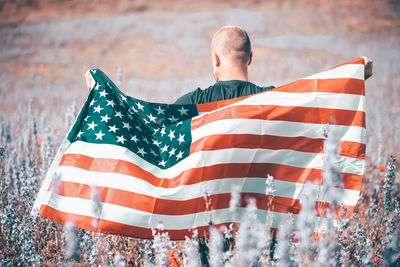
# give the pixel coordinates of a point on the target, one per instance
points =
(128, 166)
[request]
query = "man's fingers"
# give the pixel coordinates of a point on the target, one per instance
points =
(367, 67)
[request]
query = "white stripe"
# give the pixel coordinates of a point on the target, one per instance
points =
(354, 71)
(142, 219)
(217, 186)
(278, 128)
(222, 156)
(310, 99)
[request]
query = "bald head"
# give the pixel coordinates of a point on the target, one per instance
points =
(233, 44)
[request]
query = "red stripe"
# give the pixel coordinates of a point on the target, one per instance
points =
(283, 113)
(161, 206)
(358, 60)
(340, 86)
(298, 143)
(218, 104)
(109, 227)
(154, 205)
(196, 175)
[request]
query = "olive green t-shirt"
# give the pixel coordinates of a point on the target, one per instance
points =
(221, 90)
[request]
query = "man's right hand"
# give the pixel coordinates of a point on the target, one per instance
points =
(367, 67)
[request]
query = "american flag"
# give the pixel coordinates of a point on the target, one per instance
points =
(128, 166)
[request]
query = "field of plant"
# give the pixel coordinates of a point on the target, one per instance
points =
(42, 88)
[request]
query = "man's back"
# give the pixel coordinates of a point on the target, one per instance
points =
(221, 90)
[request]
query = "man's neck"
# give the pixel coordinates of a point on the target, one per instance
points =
(233, 74)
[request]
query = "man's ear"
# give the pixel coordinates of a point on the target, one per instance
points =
(216, 60)
(250, 57)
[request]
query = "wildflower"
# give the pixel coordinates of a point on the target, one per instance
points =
(234, 203)
(191, 257)
(269, 182)
(216, 253)
(71, 244)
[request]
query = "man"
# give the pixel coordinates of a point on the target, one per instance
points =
(231, 56)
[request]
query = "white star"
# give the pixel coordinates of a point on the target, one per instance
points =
(85, 119)
(156, 130)
(92, 102)
(179, 123)
(139, 106)
(99, 135)
(110, 103)
(152, 152)
(183, 111)
(126, 125)
(157, 143)
(98, 109)
(123, 97)
(172, 152)
(92, 125)
(173, 119)
(105, 118)
(97, 85)
(134, 109)
(113, 129)
(134, 138)
(164, 149)
(171, 134)
(121, 139)
(79, 134)
(180, 139)
(162, 132)
(160, 110)
(103, 93)
(179, 156)
(146, 121)
(141, 151)
(152, 118)
(162, 163)
(118, 114)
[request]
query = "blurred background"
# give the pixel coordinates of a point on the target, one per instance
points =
(163, 47)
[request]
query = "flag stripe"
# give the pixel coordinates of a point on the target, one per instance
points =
(208, 158)
(284, 113)
(196, 175)
(186, 192)
(124, 215)
(146, 203)
(304, 144)
(349, 71)
(278, 128)
(310, 100)
(108, 227)
(338, 86)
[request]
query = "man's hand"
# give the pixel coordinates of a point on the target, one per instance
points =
(367, 67)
